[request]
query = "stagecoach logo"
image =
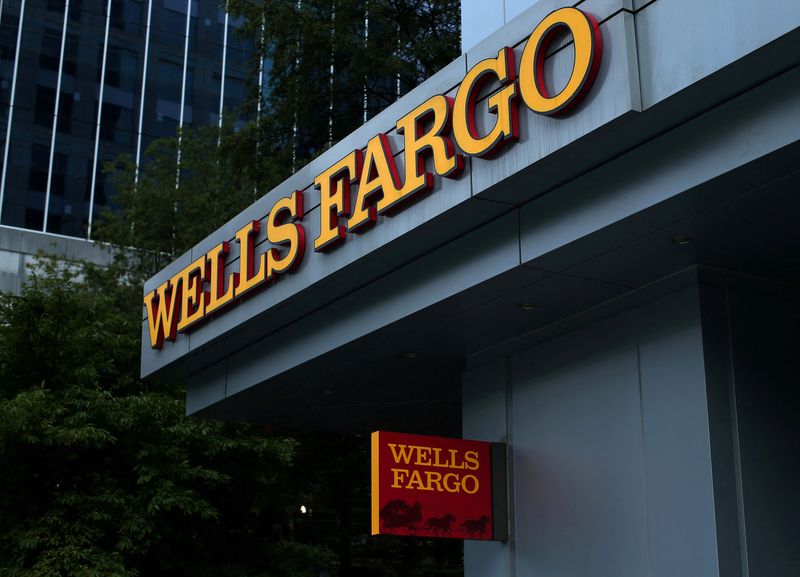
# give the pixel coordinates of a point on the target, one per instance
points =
(437, 135)
(433, 487)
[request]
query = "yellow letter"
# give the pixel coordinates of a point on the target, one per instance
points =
(289, 234)
(434, 479)
(445, 160)
(334, 199)
(162, 317)
(473, 480)
(404, 453)
(416, 479)
(397, 477)
(193, 303)
(502, 103)
(587, 45)
(215, 274)
(423, 456)
(379, 174)
(248, 277)
(455, 486)
(471, 457)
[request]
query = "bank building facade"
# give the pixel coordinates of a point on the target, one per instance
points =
(580, 240)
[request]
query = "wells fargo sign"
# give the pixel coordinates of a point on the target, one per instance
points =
(438, 134)
(437, 487)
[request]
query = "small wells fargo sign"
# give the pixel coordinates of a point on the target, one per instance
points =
(437, 487)
(367, 182)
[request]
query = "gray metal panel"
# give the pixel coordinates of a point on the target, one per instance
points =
(377, 252)
(262, 314)
(446, 194)
(765, 358)
(578, 455)
(677, 452)
(721, 218)
(484, 418)
(520, 25)
(683, 41)
(478, 19)
(744, 129)
(476, 257)
(208, 387)
(170, 353)
(613, 96)
(484, 403)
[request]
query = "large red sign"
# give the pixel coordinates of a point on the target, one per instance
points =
(433, 487)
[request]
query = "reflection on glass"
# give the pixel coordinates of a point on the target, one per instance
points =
(169, 94)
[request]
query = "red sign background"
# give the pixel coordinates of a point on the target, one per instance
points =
(431, 486)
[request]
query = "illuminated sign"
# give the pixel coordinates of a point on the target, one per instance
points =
(439, 133)
(438, 487)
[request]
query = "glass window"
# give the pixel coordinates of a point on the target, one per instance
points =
(45, 105)
(121, 68)
(37, 175)
(8, 36)
(179, 6)
(50, 51)
(75, 10)
(126, 15)
(58, 183)
(71, 55)
(65, 104)
(117, 124)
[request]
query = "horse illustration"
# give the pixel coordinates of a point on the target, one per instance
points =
(439, 525)
(475, 527)
(397, 513)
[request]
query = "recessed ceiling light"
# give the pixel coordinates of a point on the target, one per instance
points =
(527, 306)
(682, 240)
(410, 355)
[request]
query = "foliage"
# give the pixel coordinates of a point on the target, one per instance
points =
(162, 211)
(305, 110)
(102, 474)
(377, 50)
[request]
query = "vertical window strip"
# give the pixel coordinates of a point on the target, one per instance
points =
(296, 89)
(331, 73)
(224, 67)
(185, 65)
(99, 120)
(143, 91)
(55, 118)
(366, 46)
(260, 75)
(183, 93)
(11, 107)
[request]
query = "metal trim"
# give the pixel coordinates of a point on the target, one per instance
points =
(185, 69)
(143, 90)
(99, 120)
(224, 64)
(11, 105)
(55, 118)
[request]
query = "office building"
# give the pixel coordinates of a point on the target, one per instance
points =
(155, 65)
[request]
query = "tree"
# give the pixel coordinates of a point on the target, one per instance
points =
(162, 210)
(102, 474)
(333, 62)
